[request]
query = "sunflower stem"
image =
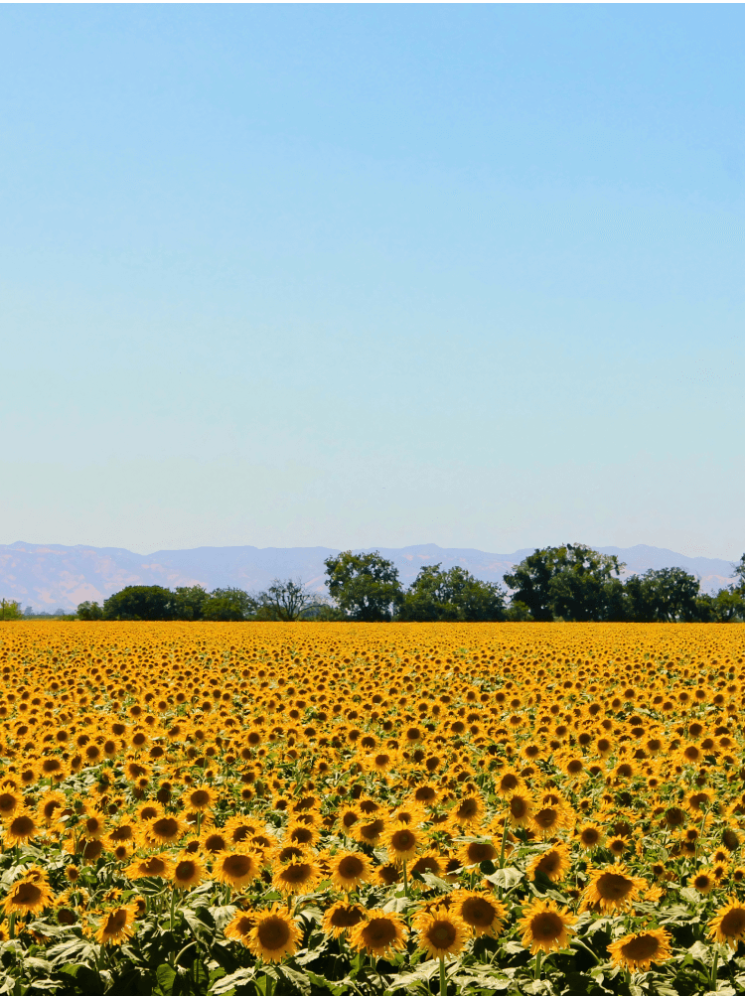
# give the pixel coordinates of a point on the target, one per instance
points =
(443, 979)
(501, 853)
(714, 968)
(406, 881)
(170, 927)
(538, 957)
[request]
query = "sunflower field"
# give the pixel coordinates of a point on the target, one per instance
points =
(341, 809)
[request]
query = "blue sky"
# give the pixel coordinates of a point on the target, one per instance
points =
(372, 275)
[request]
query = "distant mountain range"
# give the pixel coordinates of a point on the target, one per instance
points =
(51, 577)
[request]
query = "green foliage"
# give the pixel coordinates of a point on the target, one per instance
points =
(365, 586)
(10, 610)
(228, 604)
(571, 582)
(188, 603)
(90, 611)
(285, 601)
(140, 603)
(662, 595)
(451, 595)
(739, 574)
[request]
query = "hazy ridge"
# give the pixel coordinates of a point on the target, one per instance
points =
(48, 577)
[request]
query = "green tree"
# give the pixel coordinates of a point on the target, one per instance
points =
(10, 610)
(663, 595)
(451, 595)
(188, 603)
(572, 582)
(739, 574)
(285, 601)
(229, 604)
(365, 586)
(140, 603)
(90, 611)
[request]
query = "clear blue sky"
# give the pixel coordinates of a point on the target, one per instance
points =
(373, 275)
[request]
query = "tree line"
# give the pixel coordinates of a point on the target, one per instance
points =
(559, 583)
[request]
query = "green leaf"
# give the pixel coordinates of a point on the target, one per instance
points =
(506, 878)
(241, 977)
(165, 976)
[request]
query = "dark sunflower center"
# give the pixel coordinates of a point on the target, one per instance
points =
(546, 926)
(27, 894)
(166, 827)
(478, 912)
(613, 886)
(641, 948)
(274, 933)
(379, 932)
(351, 867)
(442, 934)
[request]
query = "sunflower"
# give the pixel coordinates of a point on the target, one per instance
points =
(117, 926)
(379, 933)
(554, 863)
(728, 924)
(28, 896)
(156, 866)
(188, 870)
(637, 952)
(431, 862)
(274, 934)
(49, 807)
(10, 800)
(480, 912)
(237, 869)
(425, 795)
(162, 830)
(240, 926)
(611, 890)
(388, 874)
(468, 812)
(441, 933)
(348, 869)
(618, 846)
(548, 819)
(214, 841)
(123, 832)
(590, 836)
(240, 828)
(342, 917)
(704, 881)
(545, 926)
(200, 799)
(476, 851)
(297, 877)
(369, 831)
(403, 843)
(20, 828)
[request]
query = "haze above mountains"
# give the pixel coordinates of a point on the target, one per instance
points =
(49, 577)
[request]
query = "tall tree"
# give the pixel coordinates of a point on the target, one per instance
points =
(451, 595)
(663, 595)
(573, 582)
(739, 573)
(188, 603)
(365, 586)
(90, 611)
(140, 603)
(286, 601)
(10, 610)
(229, 604)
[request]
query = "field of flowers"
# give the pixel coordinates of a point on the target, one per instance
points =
(342, 809)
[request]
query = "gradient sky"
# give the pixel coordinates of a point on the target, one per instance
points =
(372, 275)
